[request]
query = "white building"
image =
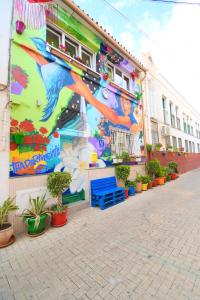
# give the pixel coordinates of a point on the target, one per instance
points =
(170, 119)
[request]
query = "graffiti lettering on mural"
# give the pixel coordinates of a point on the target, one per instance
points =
(34, 160)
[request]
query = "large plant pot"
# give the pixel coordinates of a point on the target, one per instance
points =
(173, 176)
(138, 187)
(59, 218)
(126, 193)
(160, 180)
(6, 234)
(144, 186)
(131, 191)
(41, 227)
(150, 185)
(154, 183)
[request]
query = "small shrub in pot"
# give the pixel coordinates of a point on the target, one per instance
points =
(57, 183)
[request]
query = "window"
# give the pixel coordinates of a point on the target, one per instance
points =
(154, 133)
(179, 143)
(71, 47)
(178, 121)
(198, 147)
(186, 146)
(118, 77)
(126, 83)
(110, 70)
(86, 57)
(165, 112)
(192, 130)
(190, 146)
(174, 142)
(121, 141)
(172, 115)
(193, 147)
(54, 37)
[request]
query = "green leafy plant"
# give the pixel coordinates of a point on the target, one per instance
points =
(148, 147)
(122, 173)
(173, 166)
(153, 167)
(138, 178)
(5, 209)
(145, 179)
(125, 156)
(57, 183)
(158, 146)
(161, 172)
(36, 210)
(130, 183)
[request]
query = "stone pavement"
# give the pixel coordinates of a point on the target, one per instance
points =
(145, 248)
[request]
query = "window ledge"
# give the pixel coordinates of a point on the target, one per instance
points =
(71, 60)
(112, 83)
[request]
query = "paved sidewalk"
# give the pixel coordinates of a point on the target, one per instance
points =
(145, 248)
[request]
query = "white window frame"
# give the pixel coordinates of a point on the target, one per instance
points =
(124, 74)
(65, 35)
(121, 141)
(51, 29)
(72, 43)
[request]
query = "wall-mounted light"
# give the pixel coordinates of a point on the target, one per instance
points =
(20, 26)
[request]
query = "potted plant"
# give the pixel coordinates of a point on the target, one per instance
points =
(57, 183)
(122, 173)
(145, 181)
(149, 150)
(138, 187)
(150, 183)
(125, 157)
(160, 176)
(35, 217)
(169, 148)
(158, 146)
(168, 172)
(6, 228)
(174, 169)
(131, 187)
(153, 167)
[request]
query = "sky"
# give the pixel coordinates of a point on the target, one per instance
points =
(170, 32)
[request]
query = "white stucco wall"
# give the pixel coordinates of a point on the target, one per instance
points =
(157, 87)
(5, 29)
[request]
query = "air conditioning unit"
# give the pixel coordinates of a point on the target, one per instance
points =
(165, 131)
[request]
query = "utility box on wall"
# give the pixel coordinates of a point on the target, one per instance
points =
(5, 25)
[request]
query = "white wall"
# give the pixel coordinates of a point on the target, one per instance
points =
(159, 86)
(5, 29)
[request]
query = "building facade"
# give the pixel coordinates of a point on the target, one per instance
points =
(73, 97)
(171, 120)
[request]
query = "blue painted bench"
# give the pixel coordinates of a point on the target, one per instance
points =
(105, 192)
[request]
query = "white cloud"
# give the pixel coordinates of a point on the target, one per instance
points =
(126, 38)
(180, 61)
(120, 4)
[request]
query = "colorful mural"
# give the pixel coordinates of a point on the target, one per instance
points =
(61, 113)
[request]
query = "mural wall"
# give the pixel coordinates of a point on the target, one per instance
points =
(62, 114)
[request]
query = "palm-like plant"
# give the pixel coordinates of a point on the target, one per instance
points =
(37, 209)
(7, 207)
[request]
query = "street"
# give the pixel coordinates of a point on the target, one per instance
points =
(147, 247)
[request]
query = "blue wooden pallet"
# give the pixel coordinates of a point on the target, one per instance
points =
(105, 193)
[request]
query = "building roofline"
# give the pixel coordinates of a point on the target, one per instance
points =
(104, 33)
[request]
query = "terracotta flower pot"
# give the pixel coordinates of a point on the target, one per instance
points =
(126, 193)
(160, 180)
(6, 234)
(150, 185)
(154, 183)
(173, 176)
(138, 187)
(59, 218)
